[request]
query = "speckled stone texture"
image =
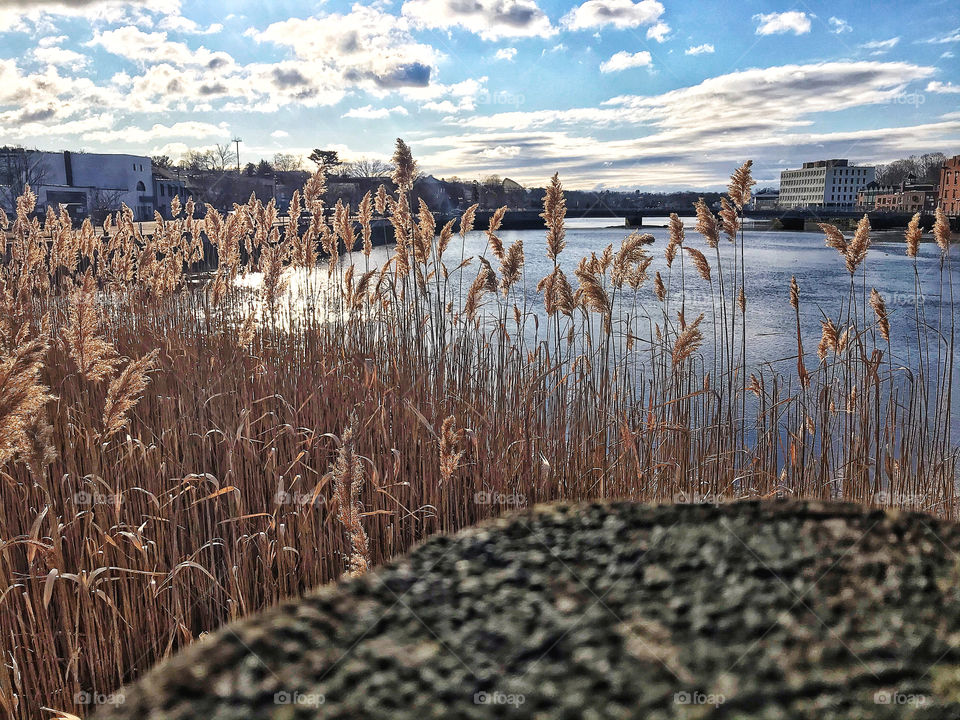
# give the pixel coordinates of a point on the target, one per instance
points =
(747, 610)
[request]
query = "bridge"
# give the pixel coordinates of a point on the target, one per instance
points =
(788, 219)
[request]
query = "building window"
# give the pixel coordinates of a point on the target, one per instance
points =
(141, 187)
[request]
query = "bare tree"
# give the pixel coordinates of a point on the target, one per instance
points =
(18, 169)
(925, 168)
(222, 155)
(103, 203)
(368, 167)
(283, 162)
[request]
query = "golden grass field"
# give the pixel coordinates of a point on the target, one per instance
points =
(177, 452)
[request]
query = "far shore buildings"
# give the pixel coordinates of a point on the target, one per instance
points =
(949, 194)
(907, 197)
(824, 183)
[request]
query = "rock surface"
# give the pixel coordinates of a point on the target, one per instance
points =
(748, 610)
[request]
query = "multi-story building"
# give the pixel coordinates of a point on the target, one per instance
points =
(87, 183)
(167, 184)
(824, 183)
(949, 197)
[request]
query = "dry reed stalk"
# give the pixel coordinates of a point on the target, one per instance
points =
(659, 289)
(495, 243)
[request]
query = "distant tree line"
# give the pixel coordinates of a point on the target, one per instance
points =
(925, 168)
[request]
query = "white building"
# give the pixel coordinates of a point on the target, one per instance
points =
(824, 183)
(90, 182)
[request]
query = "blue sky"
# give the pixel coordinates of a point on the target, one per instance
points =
(657, 94)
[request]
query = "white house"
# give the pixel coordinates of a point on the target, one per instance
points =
(87, 182)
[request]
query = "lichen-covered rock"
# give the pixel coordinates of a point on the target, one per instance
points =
(749, 610)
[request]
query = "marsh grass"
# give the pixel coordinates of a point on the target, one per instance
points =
(174, 456)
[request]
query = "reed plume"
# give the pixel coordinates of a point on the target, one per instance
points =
(941, 230)
(405, 167)
(659, 288)
(22, 397)
(125, 392)
(913, 235)
(707, 224)
(450, 452)
(495, 243)
(676, 238)
(880, 310)
(347, 485)
(699, 263)
(94, 356)
(688, 341)
(554, 212)
(857, 249)
(740, 183)
(729, 219)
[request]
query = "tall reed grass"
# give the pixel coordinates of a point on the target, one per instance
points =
(178, 453)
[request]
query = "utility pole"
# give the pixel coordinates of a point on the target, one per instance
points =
(238, 141)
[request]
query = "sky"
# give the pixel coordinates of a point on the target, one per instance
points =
(649, 94)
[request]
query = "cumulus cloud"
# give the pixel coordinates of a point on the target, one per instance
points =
(935, 86)
(779, 23)
(704, 49)
(624, 61)
(490, 19)
(368, 112)
(619, 13)
(279, 134)
(508, 53)
(187, 129)
(659, 32)
(365, 47)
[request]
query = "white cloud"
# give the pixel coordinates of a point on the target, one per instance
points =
(49, 52)
(490, 19)
(935, 86)
(704, 49)
(624, 61)
(880, 46)
(778, 23)
(658, 32)
(619, 13)
(187, 129)
(839, 25)
(508, 53)
(279, 134)
(950, 36)
(368, 112)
